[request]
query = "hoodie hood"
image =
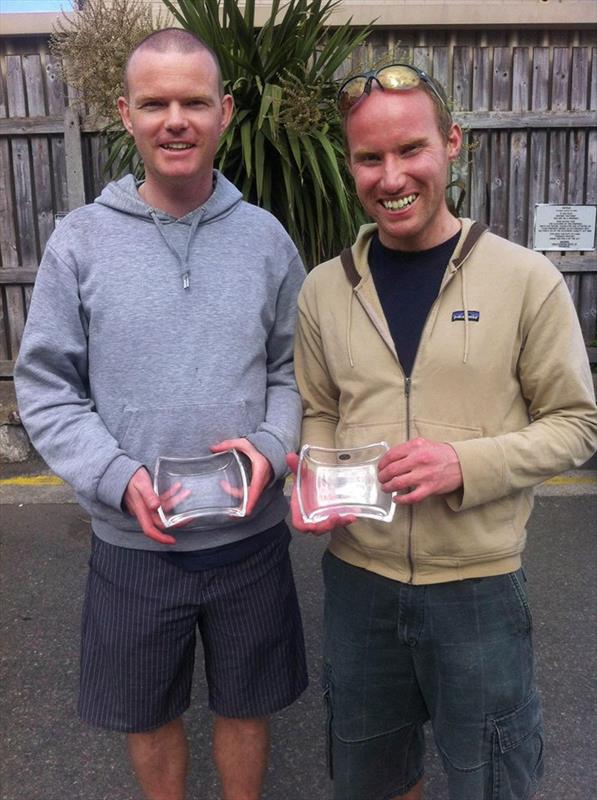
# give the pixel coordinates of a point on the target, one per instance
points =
(355, 263)
(123, 196)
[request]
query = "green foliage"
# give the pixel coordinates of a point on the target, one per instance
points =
(284, 148)
(93, 45)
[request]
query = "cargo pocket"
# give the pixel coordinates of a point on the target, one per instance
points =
(329, 718)
(518, 751)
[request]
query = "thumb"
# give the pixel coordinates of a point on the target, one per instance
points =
(144, 488)
(292, 460)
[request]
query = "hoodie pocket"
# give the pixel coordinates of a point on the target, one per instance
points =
(180, 431)
(360, 435)
(486, 531)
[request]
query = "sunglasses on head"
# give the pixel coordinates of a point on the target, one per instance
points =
(393, 77)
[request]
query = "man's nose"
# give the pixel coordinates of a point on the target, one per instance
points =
(393, 175)
(176, 118)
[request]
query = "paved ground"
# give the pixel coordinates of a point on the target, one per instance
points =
(46, 754)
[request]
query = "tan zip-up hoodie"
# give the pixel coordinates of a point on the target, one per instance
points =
(501, 374)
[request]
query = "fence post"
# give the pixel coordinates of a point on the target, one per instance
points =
(75, 184)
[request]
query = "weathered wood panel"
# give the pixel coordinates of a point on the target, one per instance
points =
(587, 304)
(527, 101)
(56, 104)
(23, 204)
(517, 190)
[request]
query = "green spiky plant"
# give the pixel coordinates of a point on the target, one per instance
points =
(284, 147)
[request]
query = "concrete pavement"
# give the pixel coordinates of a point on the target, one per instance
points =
(47, 754)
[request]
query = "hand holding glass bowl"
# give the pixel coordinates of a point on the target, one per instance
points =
(336, 486)
(207, 490)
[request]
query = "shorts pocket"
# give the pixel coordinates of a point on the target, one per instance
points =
(518, 751)
(518, 580)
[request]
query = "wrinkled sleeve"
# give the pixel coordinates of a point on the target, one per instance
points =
(556, 382)
(52, 390)
(318, 391)
(278, 434)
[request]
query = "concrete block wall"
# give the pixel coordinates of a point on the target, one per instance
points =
(14, 442)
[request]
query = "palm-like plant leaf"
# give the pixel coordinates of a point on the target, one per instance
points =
(283, 148)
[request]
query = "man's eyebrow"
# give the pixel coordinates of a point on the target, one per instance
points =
(145, 98)
(415, 142)
(364, 151)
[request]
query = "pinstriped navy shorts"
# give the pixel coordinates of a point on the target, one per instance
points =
(140, 618)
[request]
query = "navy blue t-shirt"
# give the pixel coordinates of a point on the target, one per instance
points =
(231, 553)
(407, 284)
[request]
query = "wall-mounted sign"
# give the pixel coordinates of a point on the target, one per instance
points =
(564, 227)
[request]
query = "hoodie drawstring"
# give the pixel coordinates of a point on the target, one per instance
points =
(466, 320)
(184, 260)
(349, 326)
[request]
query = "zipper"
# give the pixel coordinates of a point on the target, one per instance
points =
(411, 512)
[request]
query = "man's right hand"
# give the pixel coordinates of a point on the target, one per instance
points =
(316, 528)
(142, 503)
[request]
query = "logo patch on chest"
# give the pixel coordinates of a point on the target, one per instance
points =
(458, 316)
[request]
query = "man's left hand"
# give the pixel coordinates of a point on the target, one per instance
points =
(419, 468)
(261, 470)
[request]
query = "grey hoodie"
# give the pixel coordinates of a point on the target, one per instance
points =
(153, 336)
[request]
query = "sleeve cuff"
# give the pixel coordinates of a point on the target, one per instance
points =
(483, 473)
(270, 447)
(114, 481)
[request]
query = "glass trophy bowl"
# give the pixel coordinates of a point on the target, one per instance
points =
(210, 489)
(344, 482)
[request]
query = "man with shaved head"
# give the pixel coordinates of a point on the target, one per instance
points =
(161, 324)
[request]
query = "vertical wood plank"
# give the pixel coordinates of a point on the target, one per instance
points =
(378, 48)
(21, 164)
(25, 231)
(517, 189)
(502, 88)
(462, 78)
(74, 158)
(403, 52)
(578, 138)
(588, 287)
(538, 143)
(40, 154)
(8, 244)
(441, 68)
(422, 58)
(559, 102)
(15, 88)
(462, 63)
(8, 234)
(56, 95)
(480, 164)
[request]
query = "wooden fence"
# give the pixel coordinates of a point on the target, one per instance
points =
(527, 101)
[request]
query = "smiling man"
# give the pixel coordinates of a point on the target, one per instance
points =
(464, 353)
(162, 324)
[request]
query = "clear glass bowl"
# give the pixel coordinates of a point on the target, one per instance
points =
(210, 489)
(342, 481)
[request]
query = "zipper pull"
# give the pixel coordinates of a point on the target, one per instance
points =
(186, 280)
(407, 386)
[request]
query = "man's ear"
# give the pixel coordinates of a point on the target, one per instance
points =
(454, 143)
(227, 111)
(123, 110)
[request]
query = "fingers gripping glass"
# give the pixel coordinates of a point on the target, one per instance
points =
(393, 77)
(211, 490)
(342, 482)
